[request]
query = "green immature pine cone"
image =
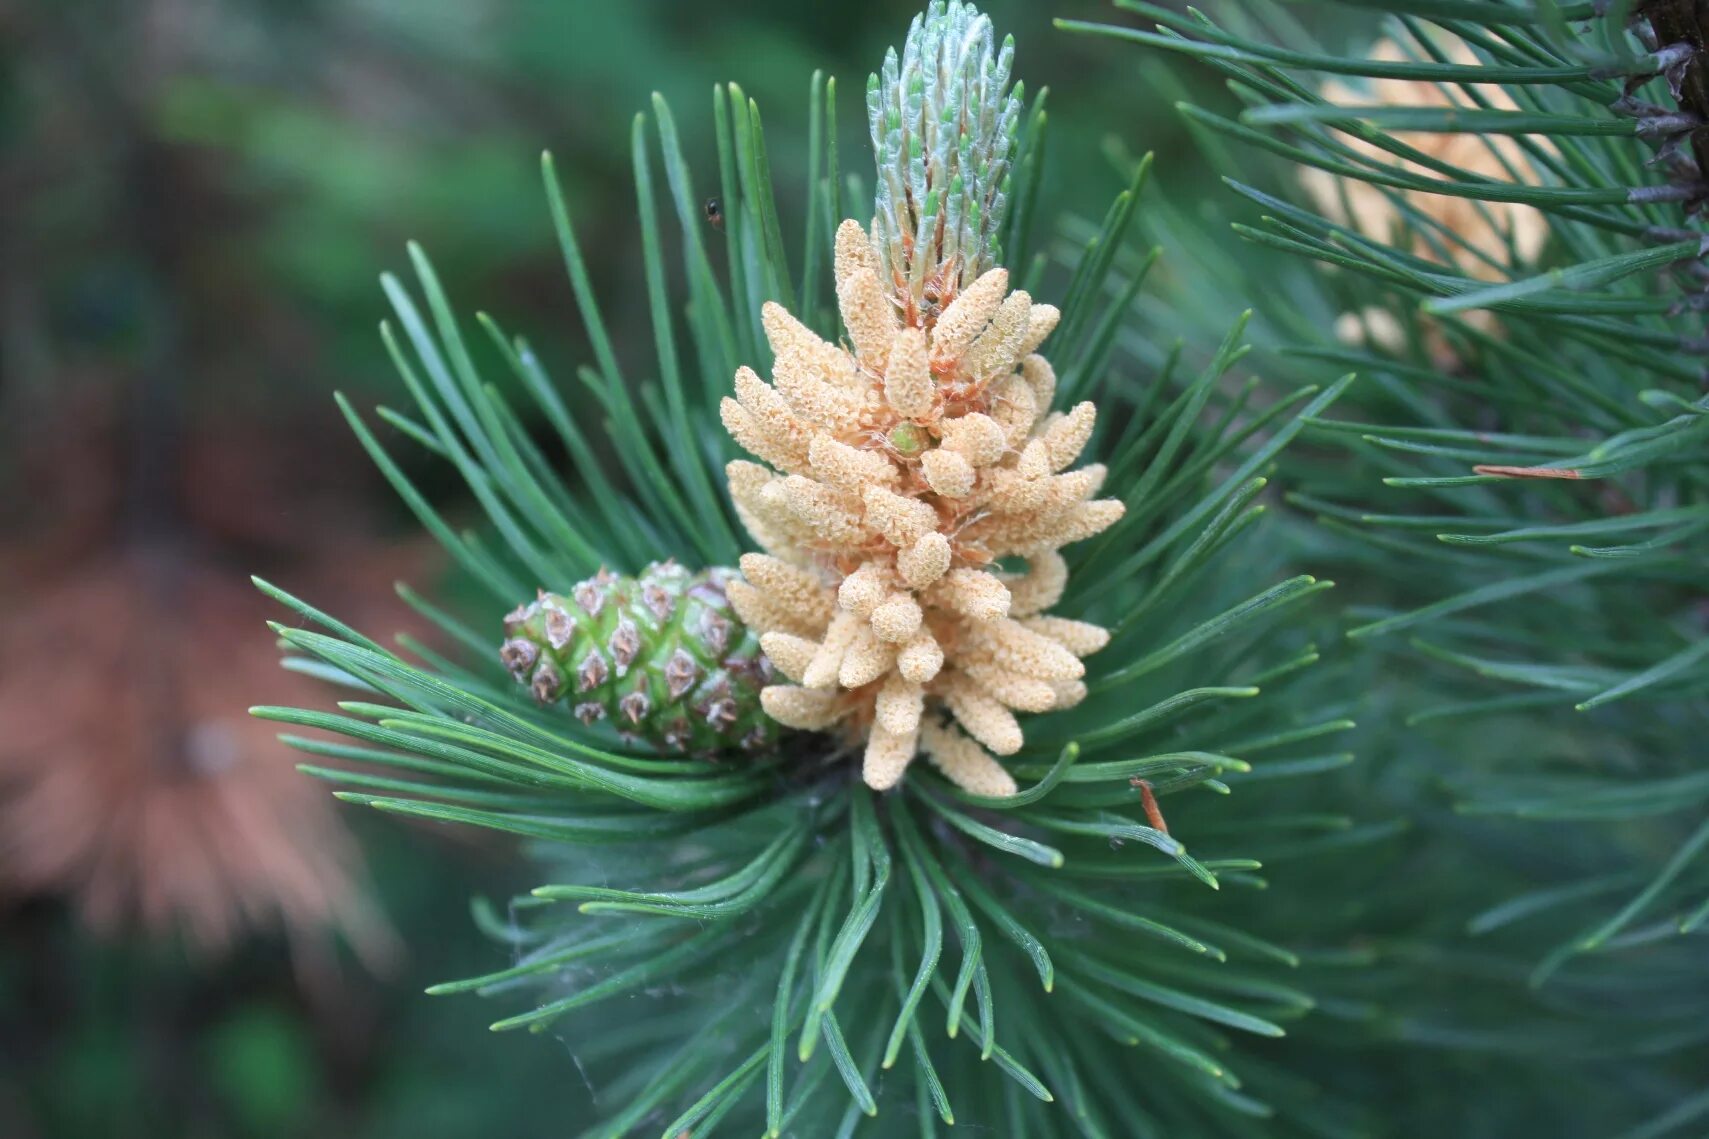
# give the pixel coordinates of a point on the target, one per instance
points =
(661, 655)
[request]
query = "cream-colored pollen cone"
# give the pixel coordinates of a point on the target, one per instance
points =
(898, 472)
(1489, 239)
(1483, 226)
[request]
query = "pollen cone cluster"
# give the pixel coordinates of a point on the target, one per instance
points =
(895, 475)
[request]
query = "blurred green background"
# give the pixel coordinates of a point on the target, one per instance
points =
(196, 197)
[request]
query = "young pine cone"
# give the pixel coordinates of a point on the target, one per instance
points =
(661, 655)
(899, 473)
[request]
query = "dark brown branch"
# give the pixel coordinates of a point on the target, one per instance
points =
(1686, 22)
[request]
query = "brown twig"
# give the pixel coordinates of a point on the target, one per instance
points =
(1686, 22)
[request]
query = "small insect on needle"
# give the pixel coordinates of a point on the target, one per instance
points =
(715, 213)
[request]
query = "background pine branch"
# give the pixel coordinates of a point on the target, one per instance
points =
(1536, 427)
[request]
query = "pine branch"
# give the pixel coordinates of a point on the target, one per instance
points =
(923, 928)
(1515, 486)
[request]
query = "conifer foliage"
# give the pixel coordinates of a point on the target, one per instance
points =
(1505, 204)
(795, 951)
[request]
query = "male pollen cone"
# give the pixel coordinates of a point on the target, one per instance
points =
(894, 475)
